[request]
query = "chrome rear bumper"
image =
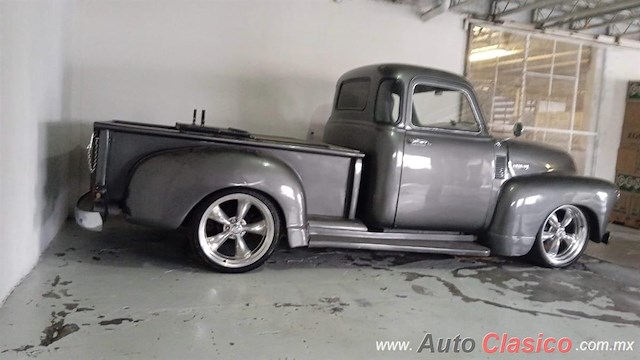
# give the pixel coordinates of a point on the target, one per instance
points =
(85, 214)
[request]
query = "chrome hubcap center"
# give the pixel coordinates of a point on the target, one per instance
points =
(235, 227)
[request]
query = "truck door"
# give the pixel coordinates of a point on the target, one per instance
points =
(447, 168)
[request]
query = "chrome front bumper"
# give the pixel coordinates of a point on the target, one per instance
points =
(86, 216)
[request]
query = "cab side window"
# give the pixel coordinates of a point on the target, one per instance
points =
(442, 108)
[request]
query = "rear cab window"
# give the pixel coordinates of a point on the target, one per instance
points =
(353, 94)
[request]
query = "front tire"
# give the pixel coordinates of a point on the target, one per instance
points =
(562, 238)
(235, 230)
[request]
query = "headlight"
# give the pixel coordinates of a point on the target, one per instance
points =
(92, 152)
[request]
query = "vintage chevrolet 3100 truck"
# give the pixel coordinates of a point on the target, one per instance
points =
(408, 164)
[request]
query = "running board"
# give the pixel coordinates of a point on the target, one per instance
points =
(354, 235)
(418, 246)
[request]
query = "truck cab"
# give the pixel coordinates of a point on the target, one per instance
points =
(428, 153)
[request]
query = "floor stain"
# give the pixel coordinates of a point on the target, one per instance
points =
(410, 276)
(363, 302)
(398, 259)
(455, 291)
(117, 321)
(57, 330)
(603, 317)
(421, 290)
(51, 294)
(23, 348)
(335, 304)
(70, 306)
(331, 304)
(383, 261)
(576, 284)
(187, 320)
(332, 300)
(56, 280)
(279, 305)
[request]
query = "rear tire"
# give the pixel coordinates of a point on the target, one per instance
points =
(235, 230)
(562, 238)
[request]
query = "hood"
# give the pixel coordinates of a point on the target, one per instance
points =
(526, 158)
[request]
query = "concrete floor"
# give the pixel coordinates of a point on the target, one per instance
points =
(132, 292)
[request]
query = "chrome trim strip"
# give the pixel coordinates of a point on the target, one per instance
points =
(343, 231)
(251, 142)
(355, 190)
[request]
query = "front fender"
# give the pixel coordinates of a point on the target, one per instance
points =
(526, 201)
(166, 186)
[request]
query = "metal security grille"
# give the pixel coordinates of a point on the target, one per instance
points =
(544, 83)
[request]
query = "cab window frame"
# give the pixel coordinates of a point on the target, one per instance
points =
(401, 101)
(464, 91)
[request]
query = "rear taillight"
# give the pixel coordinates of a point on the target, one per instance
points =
(92, 152)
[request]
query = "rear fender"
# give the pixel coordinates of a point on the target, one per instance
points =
(165, 187)
(526, 201)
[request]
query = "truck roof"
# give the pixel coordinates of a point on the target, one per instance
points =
(404, 72)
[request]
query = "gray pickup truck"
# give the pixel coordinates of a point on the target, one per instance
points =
(407, 164)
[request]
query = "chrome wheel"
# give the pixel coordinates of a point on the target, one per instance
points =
(563, 235)
(236, 231)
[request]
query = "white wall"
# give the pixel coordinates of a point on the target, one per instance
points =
(33, 150)
(268, 66)
(620, 66)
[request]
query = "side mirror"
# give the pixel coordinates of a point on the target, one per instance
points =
(517, 129)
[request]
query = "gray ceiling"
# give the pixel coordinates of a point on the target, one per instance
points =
(617, 18)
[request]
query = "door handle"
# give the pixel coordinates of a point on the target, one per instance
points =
(419, 142)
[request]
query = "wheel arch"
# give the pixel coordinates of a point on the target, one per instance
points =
(592, 222)
(526, 201)
(165, 188)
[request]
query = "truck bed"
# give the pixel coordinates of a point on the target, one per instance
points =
(331, 183)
